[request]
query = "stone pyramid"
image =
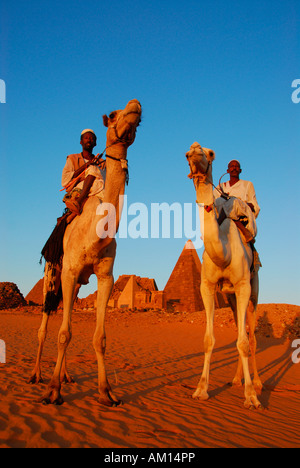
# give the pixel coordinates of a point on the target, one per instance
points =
(182, 291)
(35, 296)
(10, 296)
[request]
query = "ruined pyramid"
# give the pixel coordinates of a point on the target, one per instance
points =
(10, 296)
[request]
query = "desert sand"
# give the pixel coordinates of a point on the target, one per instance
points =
(154, 360)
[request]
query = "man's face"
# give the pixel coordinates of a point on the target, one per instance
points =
(88, 141)
(234, 168)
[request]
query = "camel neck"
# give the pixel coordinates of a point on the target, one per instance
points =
(210, 228)
(115, 184)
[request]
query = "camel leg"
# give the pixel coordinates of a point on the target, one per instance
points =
(208, 296)
(237, 380)
(243, 292)
(105, 284)
(36, 376)
(251, 316)
(52, 395)
(65, 377)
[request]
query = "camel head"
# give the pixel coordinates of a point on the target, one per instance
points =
(200, 160)
(122, 124)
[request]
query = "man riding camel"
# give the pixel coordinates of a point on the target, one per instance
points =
(236, 187)
(235, 190)
(82, 176)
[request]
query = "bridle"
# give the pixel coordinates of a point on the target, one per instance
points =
(123, 140)
(202, 177)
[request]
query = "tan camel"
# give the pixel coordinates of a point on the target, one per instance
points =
(88, 249)
(226, 257)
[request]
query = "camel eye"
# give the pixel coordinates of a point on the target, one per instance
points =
(112, 115)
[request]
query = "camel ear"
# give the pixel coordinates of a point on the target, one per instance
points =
(211, 156)
(105, 120)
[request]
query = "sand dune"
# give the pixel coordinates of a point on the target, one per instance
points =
(154, 362)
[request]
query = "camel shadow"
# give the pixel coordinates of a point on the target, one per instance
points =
(226, 355)
(172, 374)
(179, 377)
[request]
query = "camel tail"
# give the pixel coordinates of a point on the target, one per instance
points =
(53, 249)
(53, 253)
(52, 293)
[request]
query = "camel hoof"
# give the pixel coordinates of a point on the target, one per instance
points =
(35, 380)
(48, 401)
(110, 403)
(200, 395)
(52, 396)
(108, 400)
(253, 407)
(253, 404)
(67, 379)
(236, 383)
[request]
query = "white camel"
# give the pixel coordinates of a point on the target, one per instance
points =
(89, 250)
(226, 257)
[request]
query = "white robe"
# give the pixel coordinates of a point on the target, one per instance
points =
(244, 190)
(237, 207)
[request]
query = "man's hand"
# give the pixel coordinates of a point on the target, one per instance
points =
(81, 169)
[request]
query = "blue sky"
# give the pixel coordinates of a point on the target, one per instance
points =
(217, 72)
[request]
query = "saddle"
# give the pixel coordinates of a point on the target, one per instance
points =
(246, 235)
(53, 253)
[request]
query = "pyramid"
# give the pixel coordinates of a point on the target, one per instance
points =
(10, 296)
(35, 296)
(182, 291)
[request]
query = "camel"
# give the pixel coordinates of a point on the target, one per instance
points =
(90, 248)
(227, 258)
